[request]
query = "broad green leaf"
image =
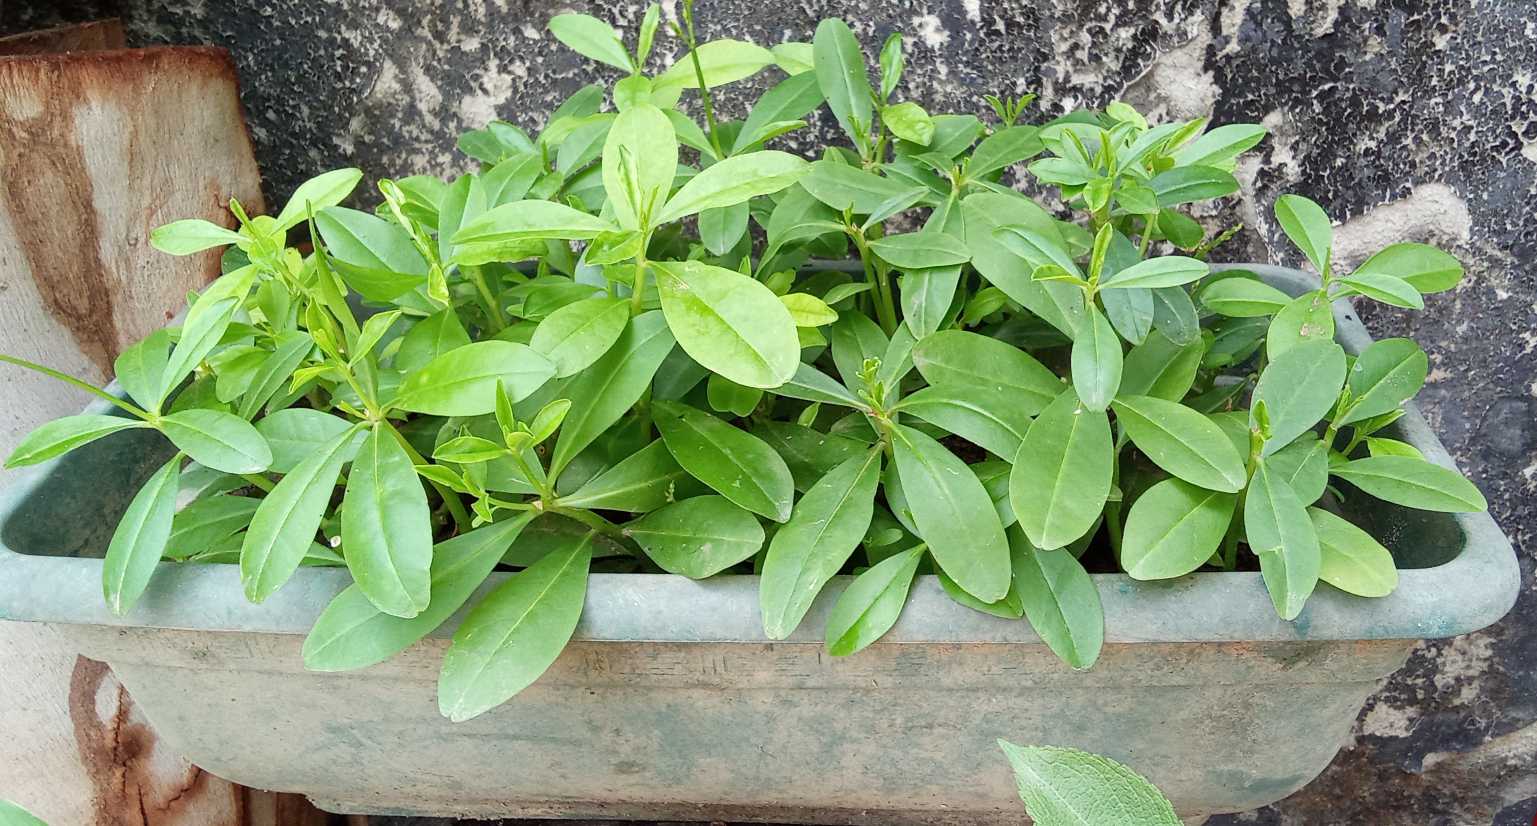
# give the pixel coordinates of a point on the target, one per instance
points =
(845, 187)
(792, 99)
(1352, 560)
(1280, 533)
(806, 310)
(909, 122)
(1308, 317)
(140, 538)
(1160, 368)
(1413, 483)
(1060, 601)
(606, 390)
(1174, 528)
(1182, 442)
(726, 396)
(641, 482)
(721, 229)
(794, 58)
(855, 338)
(578, 334)
(984, 214)
(921, 250)
(514, 633)
(1386, 374)
(1168, 271)
(721, 61)
(827, 525)
(374, 256)
(1303, 464)
(1299, 388)
(429, 338)
(592, 38)
(13, 815)
(324, 190)
(218, 440)
(206, 522)
(1220, 145)
(1243, 298)
(140, 367)
(640, 159)
(297, 433)
(1004, 148)
(969, 361)
(387, 527)
(697, 537)
(276, 369)
(191, 235)
(1186, 184)
(1424, 267)
(927, 296)
(462, 382)
(1097, 361)
(868, 608)
(1174, 314)
(840, 71)
(353, 633)
(60, 436)
(809, 454)
(1385, 288)
(1308, 226)
(729, 323)
(284, 525)
(812, 385)
(1061, 476)
(1067, 787)
(531, 221)
(203, 328)
(735, 463)
(733, 181)
(1011, 606)
(953, 514)
(984, 416)
(1379, 446)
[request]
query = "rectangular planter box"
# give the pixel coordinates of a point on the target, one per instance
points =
(671, 704)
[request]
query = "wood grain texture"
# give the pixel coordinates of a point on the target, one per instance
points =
(99, 34)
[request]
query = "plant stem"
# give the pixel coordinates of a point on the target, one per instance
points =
(592, 520)
(1147, 235)
(493, 309)
(704, 89)
(639, 287)
(71, 380)
(885, 309)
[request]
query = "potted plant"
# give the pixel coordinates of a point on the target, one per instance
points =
(644, 382)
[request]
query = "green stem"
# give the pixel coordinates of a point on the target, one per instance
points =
(592, 520)
(493, 309)
(450, 498)
(885, 308)
(1147, 235)
(71, 380)
(704, 89)
(639, 288)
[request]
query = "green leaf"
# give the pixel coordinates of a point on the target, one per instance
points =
(735, 463)
(1279, 532)
(1299, 388)
(324, 190)
(218, 440)
(794, 58)
(697, 537)
(375, 257)
(641, 482)
(1096, 361)
(531, 221)
(606, 390)
(722, 228)
(429, 338)
(1240, 297)
(62, 435)
(1173, 529)
(140, 367)
(812, 385)
(721, 61)
(140, 538)
(206, 522)
(1174, 314)
(1379, 446)
(578, 334)
(1352, 560)
(927, 296)
(284, 525)
(1413, 483)
(1066, 787)
(640, 159)
(733, 181)
(191, 235)
(810, 454)
(1424, 267)
(1308, 317)
(729, 323)
(1010, 607)
(845, 187)
(868, 608)
(204, 327)
(840, 71)
(512, 635)
(1385, 288)
(1060, 601)
(592, 38)
(1061, 477)
(1388, 373)
(1182, 442)
(276, 369)
(1160, 368)
(1308, 226)
(1303, 464)
(462, 382)
(921, 250)
(991, 419)
(969, 361)
(828, 524)
(387, 526)
(1186, 184)
(806, 310)
(909, 122)
(791, 99)
(953, 514)
(297, 433)
(1220, 145)
(994, 254)
(1004, 148)
(1168, 271)
(353, 633)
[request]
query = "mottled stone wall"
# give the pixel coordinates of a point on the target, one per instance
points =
(1408, 120)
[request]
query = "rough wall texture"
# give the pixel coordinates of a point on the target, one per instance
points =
(1407, 119)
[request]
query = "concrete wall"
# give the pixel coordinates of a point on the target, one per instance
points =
(1407, 119)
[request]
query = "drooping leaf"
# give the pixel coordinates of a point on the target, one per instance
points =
(953, 514)
(1061, 477)
(735, 463)
(1351, 560)
(1280, 533)
(284, 525)
(387, 527)
(871, 604)
(729, 323)
(1066, 787)
(60, 436)
(1060, 601)
(697, 537)
(140, 538)
(1413, 483)
(1174, 528)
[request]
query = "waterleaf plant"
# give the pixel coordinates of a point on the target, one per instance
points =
(638, 341)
